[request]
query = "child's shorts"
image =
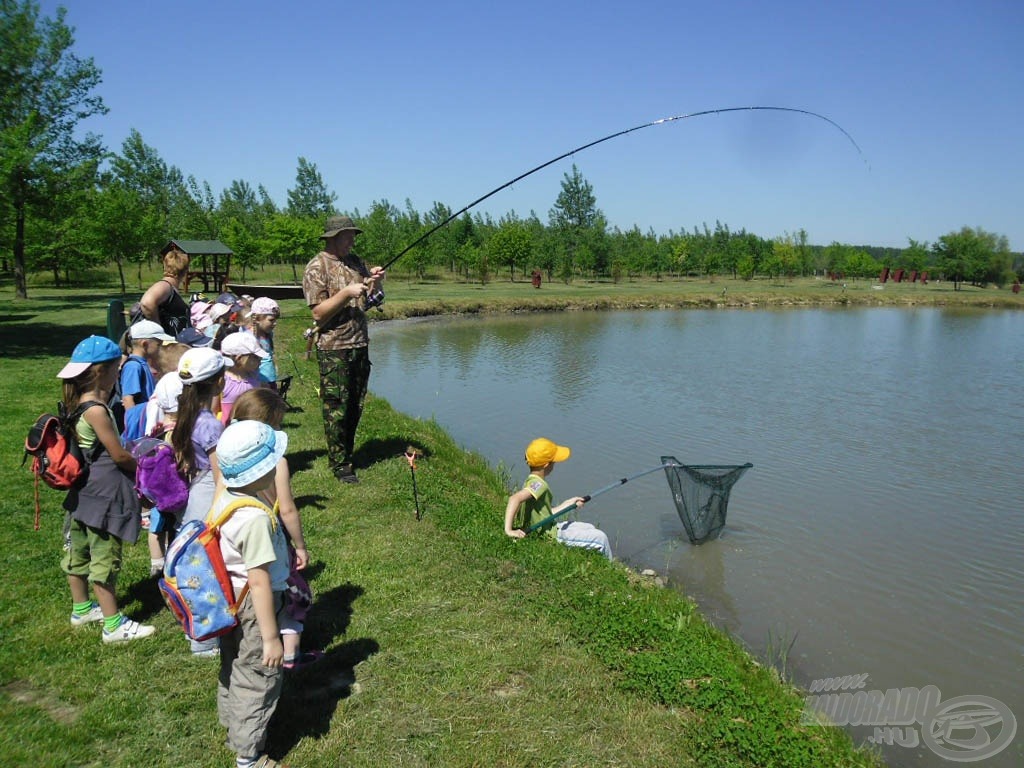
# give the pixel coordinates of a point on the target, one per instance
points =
(93, 553)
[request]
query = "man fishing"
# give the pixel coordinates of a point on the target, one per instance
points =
(336, 283)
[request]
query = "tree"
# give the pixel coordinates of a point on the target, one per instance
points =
(310, 198)
(45, 92)
(289, 239)
(574, 213)
(975, 256)
(137, 210)
(510, 246)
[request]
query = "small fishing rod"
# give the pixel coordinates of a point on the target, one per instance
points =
(570, 507)
(615, 135)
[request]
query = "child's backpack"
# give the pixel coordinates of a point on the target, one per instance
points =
(57, 459)
(156, 475)
(196, 585)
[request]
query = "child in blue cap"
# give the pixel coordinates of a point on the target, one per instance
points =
(104, 512)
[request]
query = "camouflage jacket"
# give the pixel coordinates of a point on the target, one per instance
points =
(324, 276)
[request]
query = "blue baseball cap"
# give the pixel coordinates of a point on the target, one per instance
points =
(194, 337)
(95, 349)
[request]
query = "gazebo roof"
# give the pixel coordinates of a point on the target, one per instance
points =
(198, 247)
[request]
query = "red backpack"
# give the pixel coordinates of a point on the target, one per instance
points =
(57, 459)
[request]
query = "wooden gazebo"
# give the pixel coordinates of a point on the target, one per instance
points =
(213, 277)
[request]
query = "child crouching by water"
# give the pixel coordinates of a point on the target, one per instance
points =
(532, 503)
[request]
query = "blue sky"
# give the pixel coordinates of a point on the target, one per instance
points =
(444, 101)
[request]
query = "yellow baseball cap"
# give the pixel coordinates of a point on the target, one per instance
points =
(542, 451)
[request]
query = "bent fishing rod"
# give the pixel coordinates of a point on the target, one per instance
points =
(609, 137)
(376, 299)
(570, 507)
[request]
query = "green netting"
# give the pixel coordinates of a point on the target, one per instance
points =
(701, 493)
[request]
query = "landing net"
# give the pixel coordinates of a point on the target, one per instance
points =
(701, 493)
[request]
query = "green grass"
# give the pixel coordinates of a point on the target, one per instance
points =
(448, 643)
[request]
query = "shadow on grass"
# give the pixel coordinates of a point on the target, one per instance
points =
(26, 340)
(142, 600)
(303, 460)
(373, 451)
(310, 696)
(314, 500)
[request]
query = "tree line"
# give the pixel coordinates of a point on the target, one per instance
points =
(69, 204)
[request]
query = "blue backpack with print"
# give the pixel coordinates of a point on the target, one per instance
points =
(196, 585)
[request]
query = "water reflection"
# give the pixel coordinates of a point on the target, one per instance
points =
(880, 524)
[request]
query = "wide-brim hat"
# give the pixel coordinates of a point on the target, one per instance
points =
(337, 224)
(248, 450)
(95, 349)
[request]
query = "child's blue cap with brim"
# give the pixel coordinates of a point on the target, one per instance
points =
(95, 349)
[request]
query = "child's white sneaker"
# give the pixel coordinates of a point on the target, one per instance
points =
(94, 614)
(128, 630)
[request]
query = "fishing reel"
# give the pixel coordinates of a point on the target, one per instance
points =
(375, 298)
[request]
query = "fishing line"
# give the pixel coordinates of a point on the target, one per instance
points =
(615, 135)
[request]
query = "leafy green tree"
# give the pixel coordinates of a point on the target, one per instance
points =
(45, 92)
(973, 255)
(915, 255)
(122, 226)
(510, 246)
(57, 236)
(574, 213)
(138, 173)
(310, 197)
(381, 238)
(242, 213)
(291, 239)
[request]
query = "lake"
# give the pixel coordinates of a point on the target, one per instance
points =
(879, 531)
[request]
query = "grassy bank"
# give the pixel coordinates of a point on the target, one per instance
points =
(448, 643)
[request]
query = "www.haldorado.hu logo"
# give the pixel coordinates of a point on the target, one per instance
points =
(962, 729)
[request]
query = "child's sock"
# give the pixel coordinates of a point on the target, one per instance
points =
(110, 623)
(245, 762)
(80, 609)
(156, 567)
(291, 659)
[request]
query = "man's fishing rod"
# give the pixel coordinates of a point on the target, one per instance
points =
(610, 136)
(376, 298)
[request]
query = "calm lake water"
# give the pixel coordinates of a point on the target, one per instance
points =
(880, 530)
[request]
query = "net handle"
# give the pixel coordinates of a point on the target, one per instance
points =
(593, 494)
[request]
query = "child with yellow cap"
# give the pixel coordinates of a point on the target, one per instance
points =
(532, 503)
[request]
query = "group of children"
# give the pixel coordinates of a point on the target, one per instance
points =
(214, 402)
(219, 410)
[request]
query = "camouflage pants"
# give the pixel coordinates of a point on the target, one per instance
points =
(344, 375)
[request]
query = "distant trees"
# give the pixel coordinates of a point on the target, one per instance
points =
(67, 205)
(975, 256)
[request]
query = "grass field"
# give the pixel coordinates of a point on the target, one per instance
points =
(448, 644)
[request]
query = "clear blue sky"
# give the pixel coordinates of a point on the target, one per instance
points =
(443, 101)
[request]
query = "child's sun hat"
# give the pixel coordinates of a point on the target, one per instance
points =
(248, 450)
